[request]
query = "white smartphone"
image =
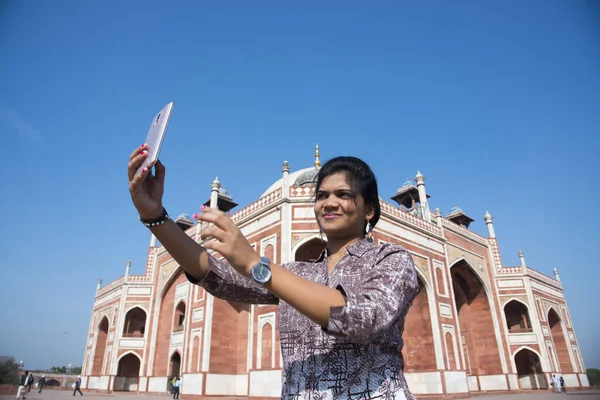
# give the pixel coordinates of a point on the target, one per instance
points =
(156, 135)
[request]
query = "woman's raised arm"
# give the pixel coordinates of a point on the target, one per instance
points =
(217, 276)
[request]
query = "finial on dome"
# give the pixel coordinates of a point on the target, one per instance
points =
(216, 184)
(317, 161)
(285, 167)
(419, 178)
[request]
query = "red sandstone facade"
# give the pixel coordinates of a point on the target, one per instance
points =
(475, 326)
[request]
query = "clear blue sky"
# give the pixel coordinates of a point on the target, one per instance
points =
(497, 103)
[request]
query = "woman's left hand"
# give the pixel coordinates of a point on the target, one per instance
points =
(229, 240)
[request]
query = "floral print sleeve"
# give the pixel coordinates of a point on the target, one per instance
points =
(224, 282)
(376, 295)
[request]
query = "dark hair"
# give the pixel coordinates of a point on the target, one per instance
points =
(360, 177)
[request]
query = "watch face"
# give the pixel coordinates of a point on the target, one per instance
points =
(261, 273)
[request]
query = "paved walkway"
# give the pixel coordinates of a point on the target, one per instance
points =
(67, 394)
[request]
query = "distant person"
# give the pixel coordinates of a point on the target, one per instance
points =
(556, 383)
(29, 383)
(77, 386)
(41, 383)
(561, 381)
(341, 317)
(170, 385)
(176, 386)
(22, 383)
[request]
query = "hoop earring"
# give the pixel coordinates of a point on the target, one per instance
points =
(368, 230)
(321, 235)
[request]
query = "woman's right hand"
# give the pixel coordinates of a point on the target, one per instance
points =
(145, 189)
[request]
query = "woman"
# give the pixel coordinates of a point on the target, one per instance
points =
(341, 317)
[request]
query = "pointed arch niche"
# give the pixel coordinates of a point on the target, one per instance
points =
(517, 317)
(266, 343)
(560, 344)
(419, 350)
(194, 352)
(269, 252)
(166, 308)
(135, 323)
(179, 319)
(480, 347)
(100, 351)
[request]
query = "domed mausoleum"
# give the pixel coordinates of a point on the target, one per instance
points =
(477, 325)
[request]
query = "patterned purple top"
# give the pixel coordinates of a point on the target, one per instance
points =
(359, 355)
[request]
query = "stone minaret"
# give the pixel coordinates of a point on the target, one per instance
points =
(490, 225)
(99, 284)
(127, 268)
(285, 169)
(420, 180)
(556, 274)
(214, 193)
(522, 258)
(438, 217)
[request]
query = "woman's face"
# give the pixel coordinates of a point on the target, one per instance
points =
(340, 211)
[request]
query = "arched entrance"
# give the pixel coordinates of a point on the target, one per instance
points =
(101, 336)
(419, 353)
(128, 373)
(560, 344)
(480, 347)
(529, 370)
(310, 250)
(175, 365)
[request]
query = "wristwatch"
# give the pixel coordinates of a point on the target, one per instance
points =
(261, 272)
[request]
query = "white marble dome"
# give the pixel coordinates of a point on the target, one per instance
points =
(302, 177)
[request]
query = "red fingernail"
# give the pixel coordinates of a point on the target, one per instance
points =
(145, 169)
(143, 152)
(195, 216)
(142, 146)
(202, 207)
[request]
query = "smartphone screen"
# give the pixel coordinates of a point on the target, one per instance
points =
(156, 135)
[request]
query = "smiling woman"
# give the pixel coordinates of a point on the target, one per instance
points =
(350, 304)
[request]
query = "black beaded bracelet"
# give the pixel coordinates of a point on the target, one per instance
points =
(164, 216)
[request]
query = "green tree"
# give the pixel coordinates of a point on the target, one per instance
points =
(9, 371)
(593, 376)
(76, 370)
